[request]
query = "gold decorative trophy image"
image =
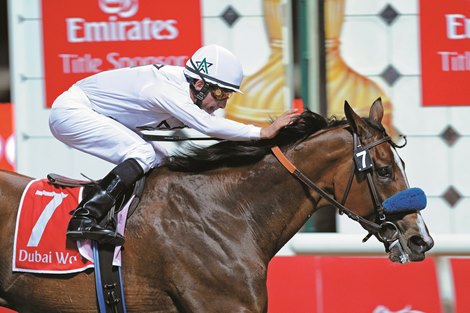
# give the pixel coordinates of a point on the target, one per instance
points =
(264, 95)
(343, 83)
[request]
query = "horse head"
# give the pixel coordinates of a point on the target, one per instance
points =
(379, 191)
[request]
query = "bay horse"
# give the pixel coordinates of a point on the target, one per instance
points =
(210, 220)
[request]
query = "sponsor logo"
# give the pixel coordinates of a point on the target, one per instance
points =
(90, 36)
(81, 30)
(406, 309)
(58, 257)
(123, 8)
(445, 52)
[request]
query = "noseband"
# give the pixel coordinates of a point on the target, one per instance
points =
(362, 163)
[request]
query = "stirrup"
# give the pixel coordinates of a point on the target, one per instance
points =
(111, 238)
(86, 227)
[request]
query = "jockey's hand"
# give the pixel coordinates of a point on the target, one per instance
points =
(285, 119)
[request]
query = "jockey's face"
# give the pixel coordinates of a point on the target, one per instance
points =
(210, 104)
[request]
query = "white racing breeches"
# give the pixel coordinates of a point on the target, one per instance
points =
(73, 121)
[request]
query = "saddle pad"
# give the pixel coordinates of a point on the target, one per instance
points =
(40, 244)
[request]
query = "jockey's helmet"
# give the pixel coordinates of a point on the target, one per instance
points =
(215, 65)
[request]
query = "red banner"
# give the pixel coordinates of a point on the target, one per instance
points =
(7, 138)
(376, 285)
(84, 37)
(461, 274)
(311, 284)
(445, 52)
(292, 283)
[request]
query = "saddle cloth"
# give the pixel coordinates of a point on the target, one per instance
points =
(40, 244)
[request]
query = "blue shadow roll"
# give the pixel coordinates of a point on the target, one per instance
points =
(412, 199)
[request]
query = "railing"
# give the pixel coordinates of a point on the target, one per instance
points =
(351, 244)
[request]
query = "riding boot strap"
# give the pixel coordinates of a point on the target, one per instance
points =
(113, 186)
(129, 171)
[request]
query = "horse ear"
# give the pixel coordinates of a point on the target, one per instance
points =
(356, 122)
(376, 112)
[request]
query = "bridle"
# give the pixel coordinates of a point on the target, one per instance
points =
(362, 162)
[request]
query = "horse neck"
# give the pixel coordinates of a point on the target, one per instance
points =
(283, 205)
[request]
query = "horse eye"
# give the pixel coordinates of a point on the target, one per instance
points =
(385, 171)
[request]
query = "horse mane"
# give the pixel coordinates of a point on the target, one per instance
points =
(238, 153)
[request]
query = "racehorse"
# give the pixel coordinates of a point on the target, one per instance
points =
(210, 220)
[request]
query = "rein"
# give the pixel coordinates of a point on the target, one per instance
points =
(363, 163)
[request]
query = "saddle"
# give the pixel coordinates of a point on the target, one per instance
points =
(108, 282)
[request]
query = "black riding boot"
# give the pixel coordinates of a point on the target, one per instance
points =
(84, 222)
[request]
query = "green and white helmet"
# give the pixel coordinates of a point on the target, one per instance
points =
(216, 65)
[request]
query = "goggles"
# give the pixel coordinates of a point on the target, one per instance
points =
(219, 93)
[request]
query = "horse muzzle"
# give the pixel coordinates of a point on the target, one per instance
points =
(409, 249)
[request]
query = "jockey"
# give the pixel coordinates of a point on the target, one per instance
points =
(104, 114)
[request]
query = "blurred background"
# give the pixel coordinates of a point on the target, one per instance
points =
(309, 54)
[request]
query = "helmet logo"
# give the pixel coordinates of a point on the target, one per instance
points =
(203, 66)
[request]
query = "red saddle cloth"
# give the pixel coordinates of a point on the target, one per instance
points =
(40, 244)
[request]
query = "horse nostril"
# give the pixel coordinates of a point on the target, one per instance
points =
(417, 244)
